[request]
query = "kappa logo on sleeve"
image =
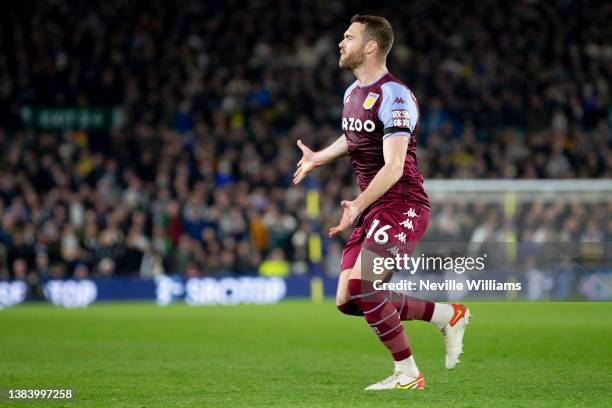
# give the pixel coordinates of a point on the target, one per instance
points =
(398, 100)
(370, 100)
(400, 118)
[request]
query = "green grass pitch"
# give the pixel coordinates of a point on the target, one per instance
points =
(298, 353)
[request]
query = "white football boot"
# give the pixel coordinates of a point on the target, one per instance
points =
(399, 381)
(453, 335)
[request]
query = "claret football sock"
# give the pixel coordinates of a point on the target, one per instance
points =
(408, 307)
(382, 317)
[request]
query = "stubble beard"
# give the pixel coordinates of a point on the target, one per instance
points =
(352, 61)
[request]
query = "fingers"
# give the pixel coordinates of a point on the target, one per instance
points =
(305, 149)
(300, 173)
(301, 145)
(297, 180)
(333, 231)
(303, 169)
(297, 177)
(344, 222)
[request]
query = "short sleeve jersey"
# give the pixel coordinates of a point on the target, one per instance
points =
(373, 113)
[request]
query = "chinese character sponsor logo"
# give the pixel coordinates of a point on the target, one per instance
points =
(400, 118)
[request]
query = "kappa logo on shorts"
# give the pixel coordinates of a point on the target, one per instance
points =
(411, 213)
(394, 250)
(407, 223)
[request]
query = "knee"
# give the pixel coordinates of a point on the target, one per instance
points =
(348, 308)
(342, 298)
(344, 302)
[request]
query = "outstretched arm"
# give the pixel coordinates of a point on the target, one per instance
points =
(311, 160)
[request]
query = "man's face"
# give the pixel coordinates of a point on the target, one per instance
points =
(352, 53)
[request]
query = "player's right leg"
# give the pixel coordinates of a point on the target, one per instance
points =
(450, 319)
(453, 334)
(401, 229)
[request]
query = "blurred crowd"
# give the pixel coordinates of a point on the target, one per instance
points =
(214, 95)
(538, 221)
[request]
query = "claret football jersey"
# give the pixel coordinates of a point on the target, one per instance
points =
(372, 113)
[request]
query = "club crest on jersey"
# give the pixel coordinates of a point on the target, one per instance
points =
(370, 100)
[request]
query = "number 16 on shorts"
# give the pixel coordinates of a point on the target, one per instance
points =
(380, 236)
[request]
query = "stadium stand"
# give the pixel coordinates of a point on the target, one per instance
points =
(193, 176)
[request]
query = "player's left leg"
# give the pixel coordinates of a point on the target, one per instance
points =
(408, 307)
(350, 253)
(384, 319)
(343, 297)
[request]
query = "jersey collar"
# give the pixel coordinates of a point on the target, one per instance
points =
(373, 82)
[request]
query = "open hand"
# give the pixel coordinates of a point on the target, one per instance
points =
(350, 212)
(306, 165)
